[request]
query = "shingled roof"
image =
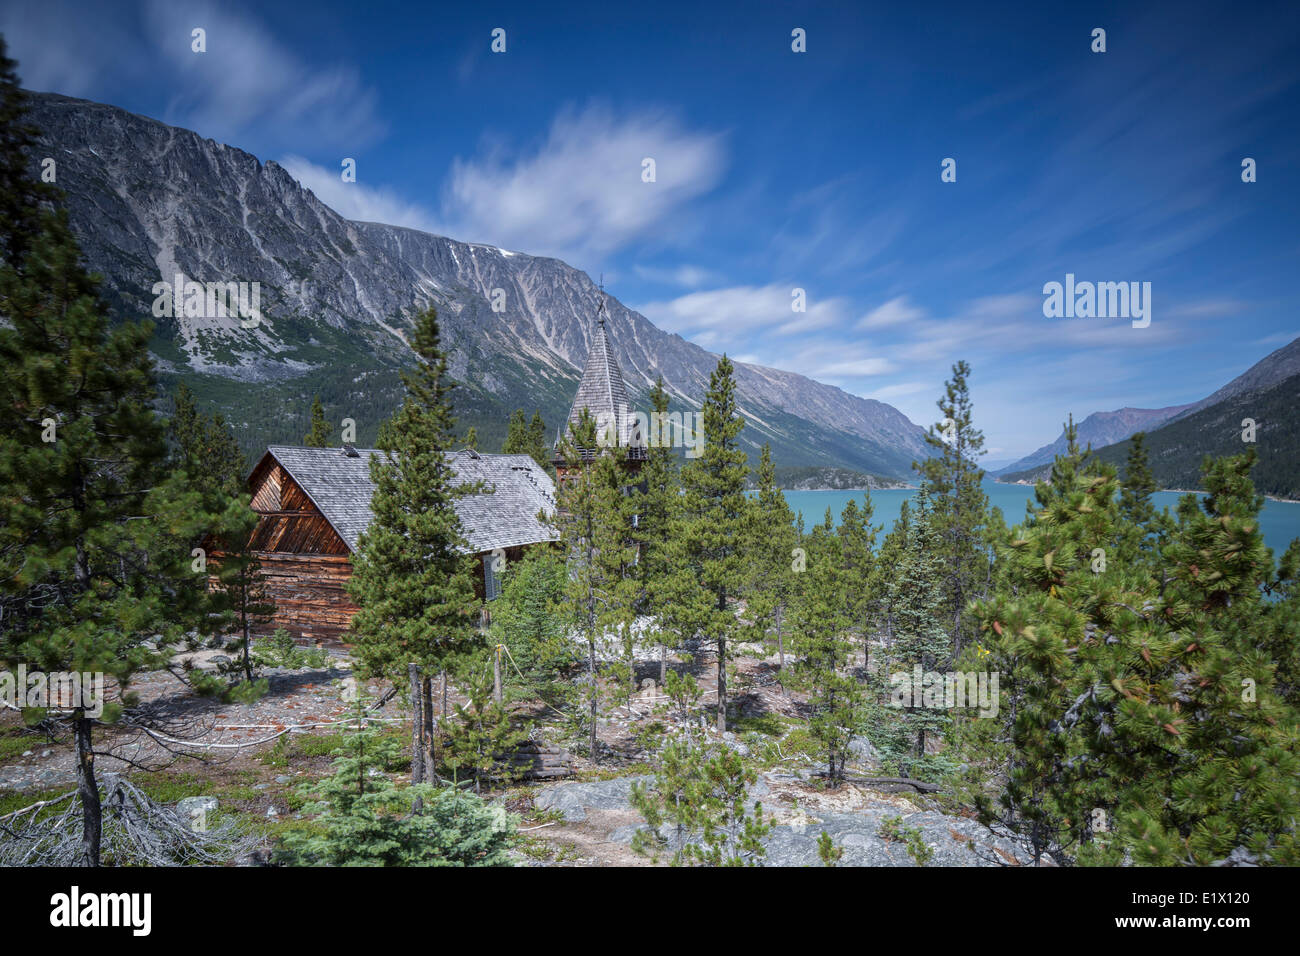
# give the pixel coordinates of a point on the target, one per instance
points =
(340, 486)
(602, 389)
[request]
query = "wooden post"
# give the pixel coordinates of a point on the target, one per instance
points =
(417, 725)
(496, 675)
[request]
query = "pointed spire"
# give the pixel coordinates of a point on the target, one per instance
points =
(602, 390)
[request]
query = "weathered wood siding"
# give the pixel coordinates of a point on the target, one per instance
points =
(305, 563)
(309, 591)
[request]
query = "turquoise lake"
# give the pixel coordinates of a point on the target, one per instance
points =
(1280, 520)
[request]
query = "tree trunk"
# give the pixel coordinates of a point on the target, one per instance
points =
(780, 641)
(722, 685)
(88, 789)
(430, 738)
(417, 725)
(663, 665)
(496, 676)
(591, 691)
(248, 637)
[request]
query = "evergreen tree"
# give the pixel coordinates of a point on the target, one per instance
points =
(95, 535)
(921, 644)
(320, 433)
(592, 520)
(1145, 724)
(771, 540)
(413, 578)
(471, 438)
(527, 438)
(363, 818)
(205, 449)
(952, 477)
(22, 196)
(527, 619)
(861, 577)
(821, 638)
(655, 500)
(707, 540)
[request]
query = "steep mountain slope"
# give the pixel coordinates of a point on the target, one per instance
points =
(150, 202)
(1098, 429)
(1105, 428)
(1177, 449)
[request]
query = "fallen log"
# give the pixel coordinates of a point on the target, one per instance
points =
(895, 783)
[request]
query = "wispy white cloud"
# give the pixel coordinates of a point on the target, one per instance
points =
(358, 201)
(744, 310)
(896, 311)
(247, 76)
(580, 194)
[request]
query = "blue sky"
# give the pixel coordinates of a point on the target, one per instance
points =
(779, 170)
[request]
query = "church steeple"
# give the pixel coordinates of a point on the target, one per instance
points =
(602, 390)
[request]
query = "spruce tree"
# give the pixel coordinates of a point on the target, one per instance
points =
(857, 543)
(821, 638)
(413, 578)
(771, 540)
(319, 433)
(709, 533)
(952, 476)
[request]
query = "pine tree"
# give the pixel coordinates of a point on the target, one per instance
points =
(771, 540)
(820, 630)
(1145, 723)
(592, 519)
(320, 433)
(22, 197)
(707, 539)
(527, 438)
(205, 449)
(953, 478)
(471, 438)
(413, 578)
(655, 500)
(95, 535)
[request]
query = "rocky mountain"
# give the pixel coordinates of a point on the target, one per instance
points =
(1106, 428)
(1098, 429)
(150, 202)
(1266, 394)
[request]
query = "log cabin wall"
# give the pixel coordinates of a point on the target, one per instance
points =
(305, 564)
(310, 595)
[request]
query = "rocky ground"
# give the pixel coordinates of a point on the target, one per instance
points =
(253, 758)
(598, 823)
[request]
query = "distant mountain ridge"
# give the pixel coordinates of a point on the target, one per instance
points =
(149, 201)
(1105, 428)
(1267, 394)
(1098, 429)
